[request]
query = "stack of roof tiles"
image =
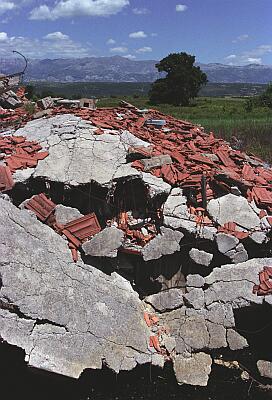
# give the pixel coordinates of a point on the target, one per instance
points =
(193, 153)
(17, 153)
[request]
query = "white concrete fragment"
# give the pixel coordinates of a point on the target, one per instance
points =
(105, 243)
(231, 208)
(165, 243)
(201, 257)
(194, 370)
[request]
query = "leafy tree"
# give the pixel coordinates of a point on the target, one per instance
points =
(182, 82)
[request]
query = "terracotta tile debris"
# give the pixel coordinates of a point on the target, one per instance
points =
(77, 231)
(265, 286)
(83, 228)
(41, 206)
(18, 153)
(6, 180)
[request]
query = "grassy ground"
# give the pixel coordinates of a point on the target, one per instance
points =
(226, 117)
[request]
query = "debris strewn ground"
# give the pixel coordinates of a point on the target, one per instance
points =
(128, 237)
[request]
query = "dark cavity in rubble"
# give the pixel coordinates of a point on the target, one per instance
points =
(144, 382)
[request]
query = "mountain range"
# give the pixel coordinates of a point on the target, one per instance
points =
(121, 69)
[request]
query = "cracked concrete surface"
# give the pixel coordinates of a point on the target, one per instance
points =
(79, 156)
(90, 317)
(68, 317)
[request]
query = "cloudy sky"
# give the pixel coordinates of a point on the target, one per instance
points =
(234, 32)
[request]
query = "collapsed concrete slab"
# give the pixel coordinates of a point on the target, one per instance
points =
(77, 155)
(65, 318)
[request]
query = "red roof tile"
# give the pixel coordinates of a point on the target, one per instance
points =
(6, 181)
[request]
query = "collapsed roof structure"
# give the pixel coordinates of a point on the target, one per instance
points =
(128, 237)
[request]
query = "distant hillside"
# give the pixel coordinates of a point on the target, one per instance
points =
(120, 69)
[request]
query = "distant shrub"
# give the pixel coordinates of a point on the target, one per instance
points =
(249, 104)
(30, 108)
(266, 97)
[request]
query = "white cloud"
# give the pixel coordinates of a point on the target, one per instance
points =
(181, 7)
(154, 34)
(111, 41)
(56, 36)
(231, 57)
(43, 48)
(253, 56)
(138, 35)
(252, 60)
(130, 56)
(119, 49)
(145, 49)
(241, 38)
(140, 11)
(76, 8)
(6, 6)
(3, 36)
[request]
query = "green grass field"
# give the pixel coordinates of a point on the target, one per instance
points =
(226, 117)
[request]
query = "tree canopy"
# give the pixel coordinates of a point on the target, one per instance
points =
(182, 82)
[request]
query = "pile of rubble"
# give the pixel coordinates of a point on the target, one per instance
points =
(169, 229)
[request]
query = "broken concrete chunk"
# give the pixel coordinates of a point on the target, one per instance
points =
(166, 300)
(194, 370)
(195, 298)
(89, 317)
(179, 223)
(169, 343)
(258, 237)
(233, 283)
(176, 205)
(235, 340)
(265, 368)
(240, 254)
(157, 360)
(155, 162)
(156, 186)
(226, 242)
(65, 214)
(9, 99)
(231, 208)
(105, 243)
(45, 103)
(219, 313)
(165, 243)
(201, 257)
(195, 281)
(217, 334)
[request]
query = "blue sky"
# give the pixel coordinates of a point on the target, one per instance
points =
(234, 32)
